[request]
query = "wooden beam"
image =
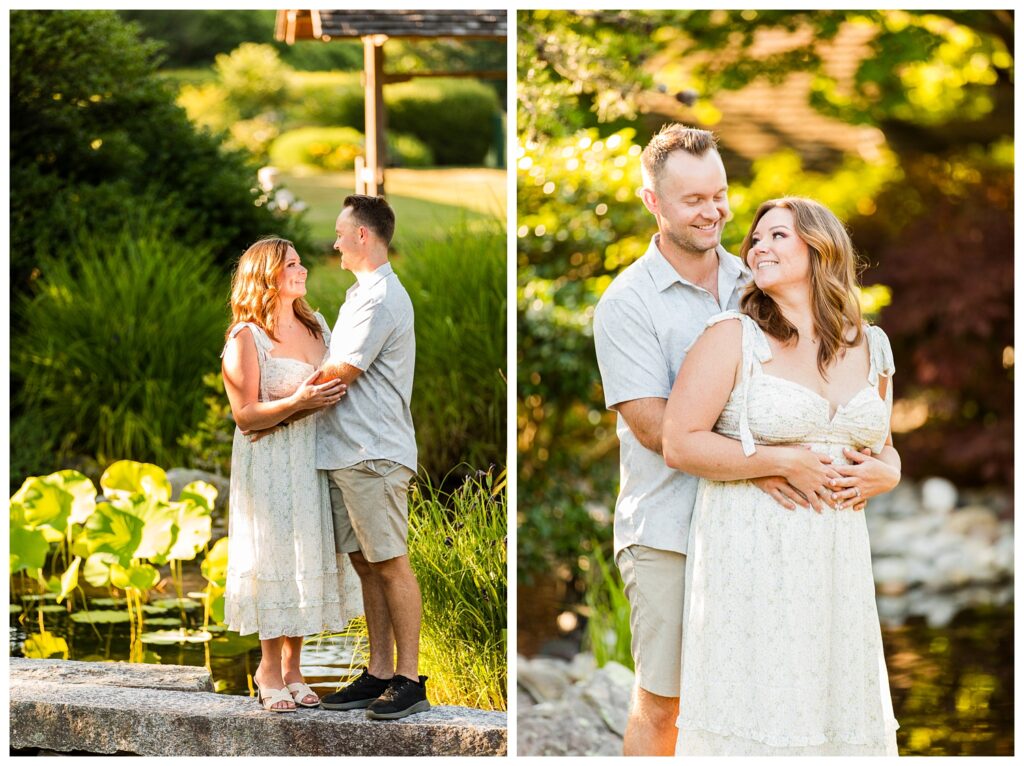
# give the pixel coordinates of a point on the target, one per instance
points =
(375, 122)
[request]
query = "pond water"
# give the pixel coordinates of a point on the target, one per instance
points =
(41, 628)
(952, 687)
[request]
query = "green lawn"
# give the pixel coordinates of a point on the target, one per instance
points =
(426, 202)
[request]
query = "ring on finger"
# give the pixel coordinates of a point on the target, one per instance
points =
(856, 491)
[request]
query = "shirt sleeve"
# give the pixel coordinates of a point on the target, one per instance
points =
(629, 355)
(366, 331)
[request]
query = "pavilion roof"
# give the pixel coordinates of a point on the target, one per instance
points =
(295, 25)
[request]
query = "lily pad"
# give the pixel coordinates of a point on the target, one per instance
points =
(43, 646)
(15, 608)
(100, 616)
(127, 477)
(160, 622)
(48, 608)
(200, 492)
(177, 603)
(81, 490)
(230, 644)
(180, 636)
(39, 597)
(28, 548)
(108, 601)
(215, 565)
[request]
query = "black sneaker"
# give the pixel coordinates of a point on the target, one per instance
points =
(360, 693)
(403, 697)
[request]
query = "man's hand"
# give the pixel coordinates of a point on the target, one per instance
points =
(255, 436)
(781, 491)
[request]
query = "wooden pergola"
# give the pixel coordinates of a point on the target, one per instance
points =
(374, 28)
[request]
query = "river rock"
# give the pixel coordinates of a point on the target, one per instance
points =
(974, 521)
(892, 610)
(544, 678)
(581, 667)
(608, 692)
(568, 726)
(891, 576)
(938, 495)
(903, 500)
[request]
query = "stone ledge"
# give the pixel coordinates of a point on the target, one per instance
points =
(68, 715)
(181, 678)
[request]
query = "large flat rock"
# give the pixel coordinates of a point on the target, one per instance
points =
(70, 711)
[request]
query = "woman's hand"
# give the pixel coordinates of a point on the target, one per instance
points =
(312, 396)
(865, 477)
(811, 474)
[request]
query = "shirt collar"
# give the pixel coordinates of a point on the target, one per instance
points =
(375, 276)
(664, 275)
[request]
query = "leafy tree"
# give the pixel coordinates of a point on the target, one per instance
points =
(933, 205)
(194, 38)
(94, 132)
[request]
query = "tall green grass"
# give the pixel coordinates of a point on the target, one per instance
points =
(607, 610)
(458, 288)
(457, 547)
(117, 336)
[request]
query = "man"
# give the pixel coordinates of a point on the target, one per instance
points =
(368, 448)
(646, 319)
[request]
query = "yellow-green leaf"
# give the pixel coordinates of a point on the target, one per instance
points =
(69, 580)
(127, 477)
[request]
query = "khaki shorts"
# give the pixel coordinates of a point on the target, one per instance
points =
(369, 502)
(654, 582)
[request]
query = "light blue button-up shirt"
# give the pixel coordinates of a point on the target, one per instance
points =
(644, 323)
(374, 332)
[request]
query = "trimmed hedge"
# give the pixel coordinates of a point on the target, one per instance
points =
(454, 118)
(330, 99)
(336, 149)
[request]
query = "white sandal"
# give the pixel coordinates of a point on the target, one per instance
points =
(269, 697)
(300, 691)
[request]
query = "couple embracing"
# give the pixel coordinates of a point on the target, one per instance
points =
(320, 465)
(753, 408)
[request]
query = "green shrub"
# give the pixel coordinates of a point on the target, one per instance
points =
(324, 148)
(330, 99)
(115, 135)
(457, 286)
(335, 149)
(118, 335)
(207, 105)
(455, 118)
(408, 151)
(254, 77)
(209, 446)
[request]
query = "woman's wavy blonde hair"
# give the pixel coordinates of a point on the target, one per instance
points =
(254, 290)
(834, 266)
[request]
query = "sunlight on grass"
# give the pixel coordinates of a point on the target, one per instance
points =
(427, 203)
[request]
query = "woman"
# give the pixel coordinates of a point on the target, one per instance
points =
(282, 577)
(782, 650)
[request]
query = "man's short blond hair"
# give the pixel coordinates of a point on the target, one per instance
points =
(674, 138)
